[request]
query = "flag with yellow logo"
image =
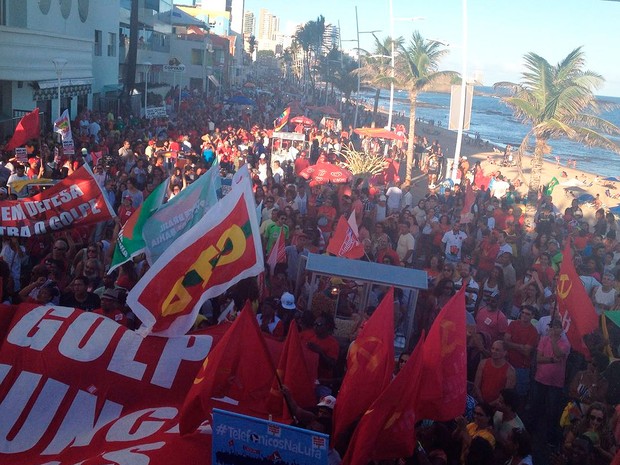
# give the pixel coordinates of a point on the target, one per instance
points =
(239, 374)
(578, 315)
(370, 364)
(387, 429)
(444, 388)
(220, 250)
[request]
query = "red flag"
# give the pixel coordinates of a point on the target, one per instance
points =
(240, 372)
(28, 127)
(345, 241)
(578, 315)
(296, 373)
(277, 253)
(370, 364)
(386, 431)
(444, 389)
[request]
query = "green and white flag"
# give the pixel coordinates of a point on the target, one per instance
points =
(549, 189)
(129, 242)
(180, 214)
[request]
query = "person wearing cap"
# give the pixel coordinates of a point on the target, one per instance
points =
(287, 310)
(490, 320)
(112, 305)
(262, 168)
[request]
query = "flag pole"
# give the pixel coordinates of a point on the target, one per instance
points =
(286, 399)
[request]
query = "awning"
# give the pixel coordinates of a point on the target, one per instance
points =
(214, 80)
(112, 88)
(53, 83)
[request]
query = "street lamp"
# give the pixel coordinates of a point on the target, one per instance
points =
(146, 84)
(59, 64)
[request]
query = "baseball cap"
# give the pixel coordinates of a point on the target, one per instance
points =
(112, 294)
(288, 301)
(336, 281)
(328, 402)
(262, 157)
(84, 150)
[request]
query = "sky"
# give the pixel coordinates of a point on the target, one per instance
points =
(500, 32)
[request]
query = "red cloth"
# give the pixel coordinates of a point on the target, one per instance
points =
(28, 127)
(243, 372)
(344, 242)
(386, 431)
(330, 347)
(493, 380)
(297, 372)
(370, 364)
(574, 305)
(301, 163)
(443, 391)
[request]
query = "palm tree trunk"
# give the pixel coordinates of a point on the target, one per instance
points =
(376, 106)
(131, 58)
(413, 98)
(535, 175)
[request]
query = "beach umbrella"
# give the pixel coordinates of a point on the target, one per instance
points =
(611, 178)
(302, 120)
(240, 100)
(615, 210)
(380, 133)
(324, 172)
(584, 198)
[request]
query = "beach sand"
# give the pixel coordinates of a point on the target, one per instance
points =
(584, 183)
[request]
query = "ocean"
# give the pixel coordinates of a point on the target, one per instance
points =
(495, 122)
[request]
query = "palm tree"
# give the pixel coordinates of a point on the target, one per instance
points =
(376, 71)
(558, 101)
(310, 38)
(416, 69)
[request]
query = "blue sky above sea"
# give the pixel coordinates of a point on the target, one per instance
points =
(500, 32)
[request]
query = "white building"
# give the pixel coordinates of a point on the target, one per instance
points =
(82, 36)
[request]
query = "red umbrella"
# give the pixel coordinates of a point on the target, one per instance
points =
(324, 172)
(302, 120)
(381, 133)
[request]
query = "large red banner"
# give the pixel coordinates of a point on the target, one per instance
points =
(75, 201)
(76, 386)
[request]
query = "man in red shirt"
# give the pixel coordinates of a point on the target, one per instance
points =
(112, 303)
(494, 374)
(521, 338)
(301, 163)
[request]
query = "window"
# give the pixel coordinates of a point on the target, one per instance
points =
(111, 44)
(197, 56)
(98, 40)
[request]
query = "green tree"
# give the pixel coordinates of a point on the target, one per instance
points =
(558, 101)
(376, 69)
(416, 69)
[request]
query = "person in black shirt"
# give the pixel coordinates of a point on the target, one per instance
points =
(79, 297)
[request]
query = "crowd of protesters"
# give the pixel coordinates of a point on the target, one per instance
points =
(523, 378)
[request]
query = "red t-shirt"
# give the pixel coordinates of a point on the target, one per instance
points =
(521, 334)
(493, 380)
